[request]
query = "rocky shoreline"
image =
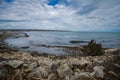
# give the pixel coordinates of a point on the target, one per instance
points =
(18, 65)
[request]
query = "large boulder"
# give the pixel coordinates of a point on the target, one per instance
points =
(29, 67)
(112, 51)
(80, 76)
(73, 61)
(98, 71)
(14, 63)
(53, 67)
(1, 64)
(21, 35)
(64, 70)
(39, 72)
(53, 76)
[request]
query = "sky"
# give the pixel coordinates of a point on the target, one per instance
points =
(76, 15)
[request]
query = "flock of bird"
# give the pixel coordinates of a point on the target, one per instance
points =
(99, 19)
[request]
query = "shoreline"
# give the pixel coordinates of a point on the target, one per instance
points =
(19, 65)
(70, 50)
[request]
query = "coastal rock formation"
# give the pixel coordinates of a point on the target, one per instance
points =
(14, 63)
(53, 67)
(17, 65)
(18, 35)
(39, 72)
(73, 61)
(64, 70)
(98, 71)
(80, 76)
(75, 41)
(112, 51)
(52, 76)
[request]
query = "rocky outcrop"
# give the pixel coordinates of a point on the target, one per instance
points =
(80, 76)
(20, 35)
(98, 71)
(53, 76)
(75, 41)
(64, 70)
(14, 63)
(112, 51)
(39, 72)
(19, 65)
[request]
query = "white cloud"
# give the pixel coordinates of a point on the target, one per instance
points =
(82, 15)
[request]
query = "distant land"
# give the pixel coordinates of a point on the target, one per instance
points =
(54, 30)
(33, 30)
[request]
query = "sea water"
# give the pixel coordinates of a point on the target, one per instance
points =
(54, 38)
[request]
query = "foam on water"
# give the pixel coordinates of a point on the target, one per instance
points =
(38, 38)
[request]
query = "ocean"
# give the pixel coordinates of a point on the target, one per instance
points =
(54, 38)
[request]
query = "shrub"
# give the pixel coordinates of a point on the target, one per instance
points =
(93, 48)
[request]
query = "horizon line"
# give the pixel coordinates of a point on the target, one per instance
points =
(51, 30)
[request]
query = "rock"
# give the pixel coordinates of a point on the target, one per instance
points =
(39, 72)
(78, 41)
(80, 76)
(98, 71)
(73, 61)
(26, 56)
(14, 63)
(117, 65)
(76, 70)
(84, 63)
(52, 76)
(26, 35)
(64, 70)
(54, 66)
(113, 51)
(1, 64)
(25, 47)
(3, 73)
(113, 73)
(30, 66)
(21, 35)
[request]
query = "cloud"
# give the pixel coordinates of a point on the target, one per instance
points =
(81, 15)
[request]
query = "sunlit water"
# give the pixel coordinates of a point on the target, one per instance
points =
(37, 38)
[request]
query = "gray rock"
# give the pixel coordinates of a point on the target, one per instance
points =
(21, 35)
(54, 66)
(73, 61)
(14, 63)
(30, 66)
(80, 76)
(98, 71)
(64, 70)
(39, 72)
(1, 64)
(112, 51)
(3, 72)
(25, 47)
(117, 65)
(113, 73)
(52, 76)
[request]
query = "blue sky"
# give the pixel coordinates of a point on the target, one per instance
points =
(77, 15)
